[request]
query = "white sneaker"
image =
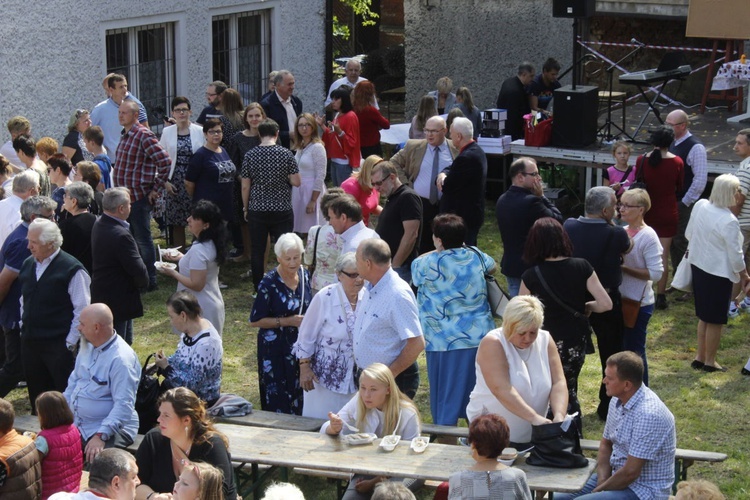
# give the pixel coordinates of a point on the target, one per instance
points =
(745, 304)
(734, 311)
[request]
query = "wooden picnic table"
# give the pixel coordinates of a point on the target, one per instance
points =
(260, 418)
(295, 449)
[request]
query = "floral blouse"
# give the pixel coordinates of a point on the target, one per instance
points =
(325, 336)
(196, 364)
(329, 249)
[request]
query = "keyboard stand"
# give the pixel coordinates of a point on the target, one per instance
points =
(651, 104)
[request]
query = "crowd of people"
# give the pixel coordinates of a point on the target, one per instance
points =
(340, 339)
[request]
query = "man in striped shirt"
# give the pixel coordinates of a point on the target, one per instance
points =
(141, 165)
(742, 149)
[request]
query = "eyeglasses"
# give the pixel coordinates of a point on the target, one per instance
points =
(378, 183)
(530, 174)
(430, 131)
(181, 110)
(624, 205)
(303, 125)
(214, 132)
(210, 95)
(353, 276)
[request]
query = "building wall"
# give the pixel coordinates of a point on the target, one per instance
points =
(53, 58)
(479, 43)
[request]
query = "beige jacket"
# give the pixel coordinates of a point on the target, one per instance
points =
(409, 159)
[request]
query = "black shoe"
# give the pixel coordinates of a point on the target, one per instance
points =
(235, 253)
(711, 369)
(661, 301)
(745, 372)
(698, 365)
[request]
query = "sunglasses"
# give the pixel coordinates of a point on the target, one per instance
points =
(353, 276)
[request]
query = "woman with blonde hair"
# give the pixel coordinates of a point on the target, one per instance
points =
(443, 97)
(519, 373)
(716, 260)
(360, 186)
(185, 434)
(640, 268)
(311, 159)
(425, 111)
(465, 102)
(379, 408)
(199, 481)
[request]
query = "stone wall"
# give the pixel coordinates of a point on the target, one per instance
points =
(479, 43)
(54, 58)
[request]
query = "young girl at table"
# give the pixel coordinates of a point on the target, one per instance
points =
(199, 481)
(59, 444)
(379, 408)
(620, 173)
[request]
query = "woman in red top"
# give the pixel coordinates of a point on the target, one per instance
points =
(371, 122)
(663, 173)
(341, 136)
(359, 185)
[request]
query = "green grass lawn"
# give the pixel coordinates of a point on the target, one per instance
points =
(709, 409)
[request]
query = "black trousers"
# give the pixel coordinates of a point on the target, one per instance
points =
(261, 225)
(608, 328)
(47, 364)
(429, 211)
(12, 371)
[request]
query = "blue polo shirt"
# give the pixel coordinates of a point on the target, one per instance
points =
(14, 252)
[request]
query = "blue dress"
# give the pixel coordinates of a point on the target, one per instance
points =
(278, 371)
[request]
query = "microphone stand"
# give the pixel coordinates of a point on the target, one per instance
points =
(610, 83)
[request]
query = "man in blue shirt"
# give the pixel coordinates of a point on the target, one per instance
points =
(636, 453)
(105, 114)
(105, 366)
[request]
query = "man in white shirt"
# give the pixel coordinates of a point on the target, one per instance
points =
(25, 184)
(345, 216)
(351, 77)
(387, 329)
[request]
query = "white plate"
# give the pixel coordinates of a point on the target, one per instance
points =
(165, 265)
(170, 252)
(389, 443)
(419, 444)
(360, 438)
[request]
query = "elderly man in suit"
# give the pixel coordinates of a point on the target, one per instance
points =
(462, 184)
(419, 162)
(118, 269)
(281, 106)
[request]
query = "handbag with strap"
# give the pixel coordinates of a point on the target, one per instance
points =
(631, 308)
(496, 296)
(555, 447)
(640, 180)
(683, 275)
(311, 267)
(146, 397)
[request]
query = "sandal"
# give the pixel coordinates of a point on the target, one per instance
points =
(247, 275)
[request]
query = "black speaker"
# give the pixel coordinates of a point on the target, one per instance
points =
(573, 8)
(575, 116)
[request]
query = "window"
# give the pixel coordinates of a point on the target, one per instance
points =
(145, 55)
(242, 51)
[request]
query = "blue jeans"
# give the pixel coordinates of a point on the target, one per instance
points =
(404, 272)
(124, 329)
(634, 339)
(585, 493)
(514, 286)
(140, 226)
(339, 173)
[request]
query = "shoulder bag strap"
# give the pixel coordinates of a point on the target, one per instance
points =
(302, 294)
(626, 174)
(562, 304)
(315, 247)
(481, 260)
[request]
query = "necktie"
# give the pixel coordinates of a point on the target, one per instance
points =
(435, 167)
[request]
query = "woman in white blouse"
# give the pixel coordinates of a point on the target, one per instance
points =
(325, 348)
(311, 159)
(519, 373)
(323, 246)
(640, 268)
(716, 260)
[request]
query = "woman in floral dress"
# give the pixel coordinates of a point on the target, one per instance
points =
(282, 299)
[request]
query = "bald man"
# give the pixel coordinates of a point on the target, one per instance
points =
(419, 162)
(106, 365)
(142, 166)
(693, 155)
(387, 329)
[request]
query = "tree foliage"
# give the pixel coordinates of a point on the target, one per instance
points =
(362, 9)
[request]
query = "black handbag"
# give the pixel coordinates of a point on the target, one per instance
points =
(554, 447)
(146, 397)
